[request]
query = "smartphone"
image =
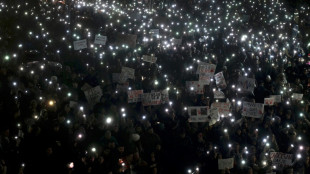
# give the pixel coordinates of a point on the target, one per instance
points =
(70, 165)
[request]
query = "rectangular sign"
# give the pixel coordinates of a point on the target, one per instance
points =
(101, 40)
(224, 108)
(153, 98)
(280, 159)
(149, 59)
(297, 96)
(220, 80)
(277, 98)
(80, 44)
(127, 73)
(246, 85)
(214, 116)
(255, 110)
(269, 101)
(93, 95)
(218, 94)
(205, 78)
(206, 68)
(134, 96)
(224, 164)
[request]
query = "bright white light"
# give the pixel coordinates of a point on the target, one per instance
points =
(109, 120)
(299, 156)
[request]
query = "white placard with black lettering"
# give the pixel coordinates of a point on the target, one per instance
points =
(80, 44)
(101, 40)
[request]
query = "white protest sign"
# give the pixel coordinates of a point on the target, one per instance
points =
(246, 84)
(93, 95)
(269, 101)
(195, 87)
(206, 68)
(134, 96)
(281, 159)
(206, 72)
(214, 116)
(164, 96)
(225, 163)
(154, 32)
(219, 94)
(223, 108)
(150, 59)
(205, 78)
(80, 44)
(277, 98)
(127, 73)
(130, 72)
(220, 80)
(198, 113)
(153, 98)
(255, 110)
(101, 40)
(297, 96)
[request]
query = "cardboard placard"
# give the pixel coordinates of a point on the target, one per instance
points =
(246, 85)
(93, 95)
(224, 164)
(269, 101)
(220, 80)
(277, 98)
(195, 87)
(150, 59)
(101, 40)
(297, 96)
(198, 113)
(218, 94)
(280, 159)
(80, 44)
(223, 108)
(255, 110)
(134, 96)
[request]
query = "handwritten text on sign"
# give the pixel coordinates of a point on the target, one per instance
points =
(220, 80)
(80, 44)
(281, 159)
(246, 84)
(277, 98)
(224, 108)
(101, 40)
(206, 68)
(93, 95)
(150, 59)
(255, 110)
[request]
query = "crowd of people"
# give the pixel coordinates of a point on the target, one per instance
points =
(48, 125)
